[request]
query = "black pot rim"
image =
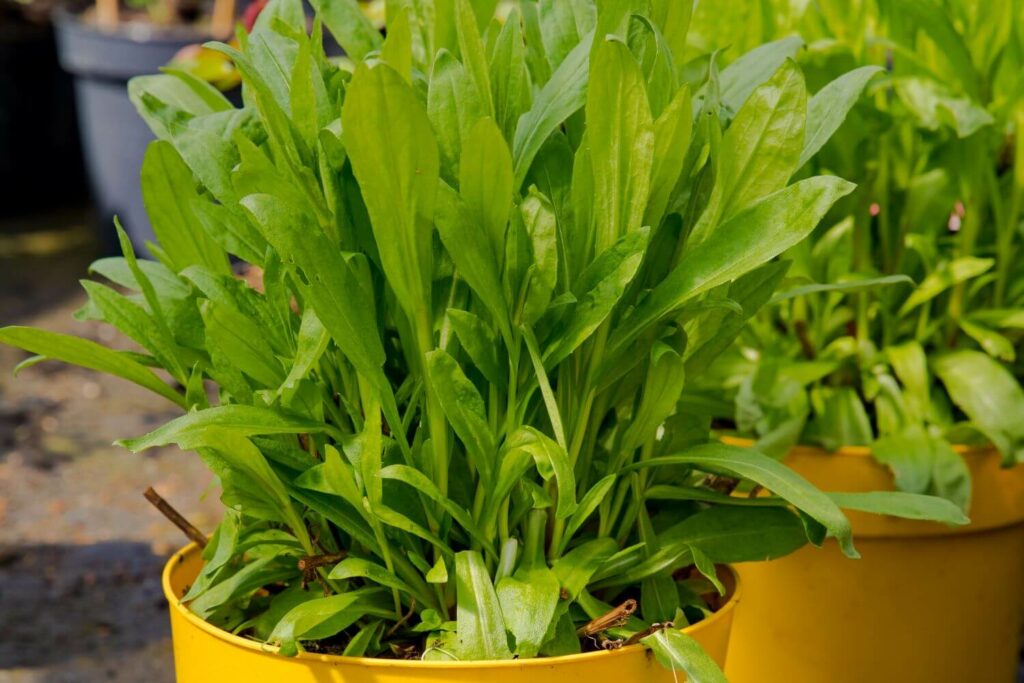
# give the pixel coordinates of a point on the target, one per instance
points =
(131, 31)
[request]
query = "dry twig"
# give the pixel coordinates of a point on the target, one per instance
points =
(170, 513)
(613, 619)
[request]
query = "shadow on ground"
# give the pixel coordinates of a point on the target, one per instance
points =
(60, 602)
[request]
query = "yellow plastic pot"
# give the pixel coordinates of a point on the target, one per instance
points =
(205, 654)
(926, 603)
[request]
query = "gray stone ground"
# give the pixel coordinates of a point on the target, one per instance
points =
(80, 549)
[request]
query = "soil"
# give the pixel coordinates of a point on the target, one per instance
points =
(81, 550)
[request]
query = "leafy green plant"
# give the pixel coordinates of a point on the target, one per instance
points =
(447, 424)
(901, 318)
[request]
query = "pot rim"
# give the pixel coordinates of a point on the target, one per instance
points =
(370, 662)
(132, 31)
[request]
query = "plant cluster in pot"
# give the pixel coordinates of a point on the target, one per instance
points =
(897, 365)
(446, 420)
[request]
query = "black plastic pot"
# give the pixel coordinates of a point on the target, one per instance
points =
(40, 156)
(114, 138)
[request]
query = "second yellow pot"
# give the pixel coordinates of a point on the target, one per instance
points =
(925, 604)
(205, 654)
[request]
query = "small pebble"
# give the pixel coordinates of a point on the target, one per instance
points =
(91, 390)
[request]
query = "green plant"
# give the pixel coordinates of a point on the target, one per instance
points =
(453, 402)
(902, 318)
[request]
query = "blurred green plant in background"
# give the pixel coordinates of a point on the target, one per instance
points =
(900, 322)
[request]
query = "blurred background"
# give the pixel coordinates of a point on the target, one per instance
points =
(80, 549)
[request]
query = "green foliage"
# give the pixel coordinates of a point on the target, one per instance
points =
(492, 255)
(901, 317)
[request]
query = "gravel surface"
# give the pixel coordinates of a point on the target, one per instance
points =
(80, 548)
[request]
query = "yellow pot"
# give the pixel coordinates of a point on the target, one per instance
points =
(926, 604)
(203, 653)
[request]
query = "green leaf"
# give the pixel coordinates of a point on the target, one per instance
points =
(134, 322)
(439, 572)
(397, 49)
(358, 568)
(576, 568)
(321, 618)
(421, 483)
(485, 182)
(828, 108)
(772, 475)
(666, 375)
(951, 477)
(334, 476)
(510, 76)
(590, 502)
(481, 628)
(551, 461)
(513, 465)
(472, 50)
(253, 576)
(349, 26)
(934, 20)
(842, 420)
(311, 343)
(996, 345)
(465, 409)
(399, 521)
(239, 338)
(480, 343)
(750, 238)
(394, 156)
(910, 364)
(728, 534)
(740, 78)
(185, 96)
(339, 289)
(453, 106)
(1001, 318)
(948, 274)
(166, 183)
(362, 642)
(855, 284)
(677, 651)
(989, 395)
(598, 290)
(564, 25)
(87, 354)
(673, 130)
(529, 599)
(620, 130)
(471, 249)
(542, 228)
(707, 568)
(188, 430)
(766, 135)
(562, 96)
(935, 108)
(910, 456)
(905, 505)
(673, 19)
